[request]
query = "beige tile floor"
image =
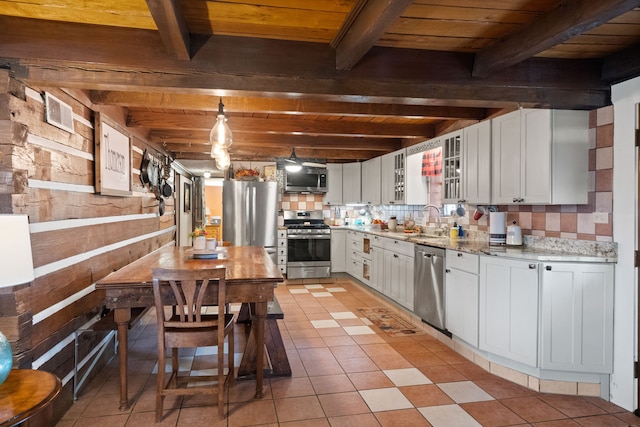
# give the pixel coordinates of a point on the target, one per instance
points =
(346, 372)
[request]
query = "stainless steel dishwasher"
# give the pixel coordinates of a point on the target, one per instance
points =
(429, 285)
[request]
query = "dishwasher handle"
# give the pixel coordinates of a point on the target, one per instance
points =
(426, 254)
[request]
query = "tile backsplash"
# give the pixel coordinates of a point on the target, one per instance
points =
(592, 221)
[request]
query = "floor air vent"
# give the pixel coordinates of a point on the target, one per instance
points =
(58, 113)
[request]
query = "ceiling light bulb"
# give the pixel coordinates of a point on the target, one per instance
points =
(217, 151)
(293, 167)
(221, 132)
(223, 162)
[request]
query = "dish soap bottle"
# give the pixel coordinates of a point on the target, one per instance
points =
(453, 233)
(346, 218)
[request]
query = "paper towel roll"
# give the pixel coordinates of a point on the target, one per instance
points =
(497, 228)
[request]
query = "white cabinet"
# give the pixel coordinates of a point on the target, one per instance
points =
(476, 163)
(508, 309)
(451, 162)
(540, 157)
(338, 251)
(577, 317)
(417, 185)
(282, 251)
(333, 196)
(377, 263)
(351, 180)
(371, 181)
(461, 295)
(393, 178)
(354, 254)
(398, 272)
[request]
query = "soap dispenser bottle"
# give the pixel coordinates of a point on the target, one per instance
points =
(453, 233)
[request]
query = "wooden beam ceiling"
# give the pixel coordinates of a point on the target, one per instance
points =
(363, 27)
(93, 58)
(343, 97)
(167, 15)
(570, 18)
(279, 126)
(293, 106)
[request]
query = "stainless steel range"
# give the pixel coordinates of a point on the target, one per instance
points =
(308, 245)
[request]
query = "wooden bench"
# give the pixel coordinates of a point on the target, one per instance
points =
(276, 353)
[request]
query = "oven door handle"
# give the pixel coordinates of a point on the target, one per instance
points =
(308, 236)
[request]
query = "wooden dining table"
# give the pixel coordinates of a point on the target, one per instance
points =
(251, 277)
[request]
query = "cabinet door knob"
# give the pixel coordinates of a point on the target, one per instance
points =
(548, 268)
(532, 266)
(395, 255)
(459, 254)
(447, 271)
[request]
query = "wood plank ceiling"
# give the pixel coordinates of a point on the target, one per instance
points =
(338, 80)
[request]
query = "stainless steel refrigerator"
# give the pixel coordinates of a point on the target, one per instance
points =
(250, 214)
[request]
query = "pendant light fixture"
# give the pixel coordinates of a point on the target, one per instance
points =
(293, 163)
(221, 138)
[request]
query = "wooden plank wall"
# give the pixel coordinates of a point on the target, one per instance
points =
(77, 236)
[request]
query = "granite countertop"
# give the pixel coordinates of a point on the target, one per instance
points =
(534, 248)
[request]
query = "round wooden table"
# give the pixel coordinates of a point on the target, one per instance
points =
(25, 393)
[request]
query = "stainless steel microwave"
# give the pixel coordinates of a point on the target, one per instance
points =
(307, 180)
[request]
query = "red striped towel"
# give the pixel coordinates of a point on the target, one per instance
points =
(432, 162)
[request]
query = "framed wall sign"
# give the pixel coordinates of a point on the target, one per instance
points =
(187, 197)
(112, 159)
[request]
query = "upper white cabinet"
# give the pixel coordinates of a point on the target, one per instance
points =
(393, 173)
(333, 196)
(452, 163)
(371, 181)
(476, 163)
(351, 179)
(508, 311)
(577, 317)
(540, 157)
(417, 185)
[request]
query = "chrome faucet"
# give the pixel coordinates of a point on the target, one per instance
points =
(438, 220)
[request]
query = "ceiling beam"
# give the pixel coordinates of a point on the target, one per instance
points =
(622, 65)
(367, 21)
(287, 126)
(174, 138)
(256, 153)
(569, 19)
(243, 104)
(91, 57)
(172, 27)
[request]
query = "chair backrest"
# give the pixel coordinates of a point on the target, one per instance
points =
(187, 291)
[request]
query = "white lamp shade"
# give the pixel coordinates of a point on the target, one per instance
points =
(15, 251)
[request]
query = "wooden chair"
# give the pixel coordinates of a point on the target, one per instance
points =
(186, 292)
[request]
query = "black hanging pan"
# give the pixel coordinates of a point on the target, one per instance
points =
(144, 168)
(167, 191)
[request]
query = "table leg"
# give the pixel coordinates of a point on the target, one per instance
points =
(122, 316)
(261, 314)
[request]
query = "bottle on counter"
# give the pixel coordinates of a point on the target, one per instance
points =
(460, 231)
(346, 218)
(453, 233)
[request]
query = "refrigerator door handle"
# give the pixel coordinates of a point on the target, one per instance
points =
(253, 214)
(247, 212)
